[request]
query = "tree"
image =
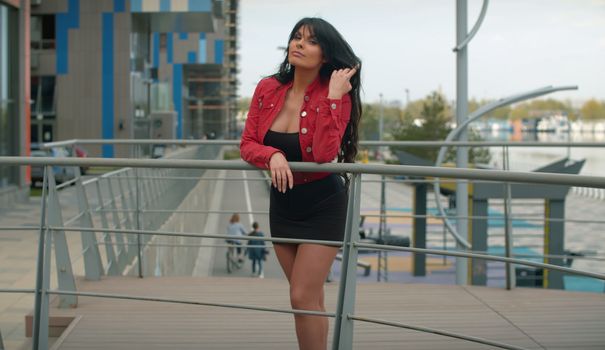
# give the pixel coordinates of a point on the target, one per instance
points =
(433, 123)
(592, 110)
(502, 113)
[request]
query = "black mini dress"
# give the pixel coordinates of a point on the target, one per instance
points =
(316, 210)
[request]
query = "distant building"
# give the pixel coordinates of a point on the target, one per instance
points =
(113, 69)
(14, 98)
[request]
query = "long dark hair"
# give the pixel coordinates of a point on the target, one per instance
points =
(338, 55)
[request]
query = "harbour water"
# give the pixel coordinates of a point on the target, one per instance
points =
(529, 158)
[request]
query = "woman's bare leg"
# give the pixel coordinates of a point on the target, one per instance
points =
(311, 267)
(285, 253)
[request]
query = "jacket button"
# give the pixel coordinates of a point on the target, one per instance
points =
(306, 98)
(333, 106)
(317, 110)
(303, 114)
(260, 105)
(309, 149)
(303, 130)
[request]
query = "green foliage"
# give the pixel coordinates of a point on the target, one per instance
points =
(370, 120)
(593, 110)
(502, 113)
(432, 123)
(231, 154)
(539, 108)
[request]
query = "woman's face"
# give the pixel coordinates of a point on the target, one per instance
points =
(304, 50)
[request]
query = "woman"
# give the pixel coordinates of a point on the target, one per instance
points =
(308, 111)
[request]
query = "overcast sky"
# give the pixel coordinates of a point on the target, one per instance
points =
(407, 44)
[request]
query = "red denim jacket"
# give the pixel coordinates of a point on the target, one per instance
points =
(322, 123)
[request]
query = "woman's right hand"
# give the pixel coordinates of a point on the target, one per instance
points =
(281, 175)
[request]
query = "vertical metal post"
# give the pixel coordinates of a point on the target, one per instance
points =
(121, 245)
(461, 152)
(478, 240)
(93, 267)
(419, 230)
(62, 259)
(382, 273)
(131, 253)
(554, 241)
(40, 292)
(138, 216)
(508, 228)
(112, 262)
(343, 325)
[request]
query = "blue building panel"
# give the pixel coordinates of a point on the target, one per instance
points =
(177, 94)
(156, 50)
(64, 22)
(136, 5)
(191, 57)
(164, 5)
(219, 51)
(183, 35)
(61, 43)
(200, 5)
(107, 81)
(119, 5)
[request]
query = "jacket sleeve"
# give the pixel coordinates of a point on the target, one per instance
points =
(251, 147)
(330, 126)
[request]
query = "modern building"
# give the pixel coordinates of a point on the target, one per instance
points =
(109, 69)
(14, 97)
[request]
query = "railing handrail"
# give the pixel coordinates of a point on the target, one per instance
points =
(379, 169)
(333, 243)
(367, 143)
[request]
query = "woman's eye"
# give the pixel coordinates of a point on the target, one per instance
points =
(313, 41)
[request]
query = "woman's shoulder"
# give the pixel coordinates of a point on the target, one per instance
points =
(269, 83)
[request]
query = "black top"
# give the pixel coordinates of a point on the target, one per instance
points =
(287, 142)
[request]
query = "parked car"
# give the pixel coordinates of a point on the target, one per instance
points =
(62, 173)
(80, 153)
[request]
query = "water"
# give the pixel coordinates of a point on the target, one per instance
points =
(530, 158)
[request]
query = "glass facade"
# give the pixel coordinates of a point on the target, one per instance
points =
(9, 72)
(43, 119)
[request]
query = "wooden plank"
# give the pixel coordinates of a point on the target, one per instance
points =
(534, 319)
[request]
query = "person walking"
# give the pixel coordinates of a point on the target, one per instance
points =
(236, 229)
(256, 251)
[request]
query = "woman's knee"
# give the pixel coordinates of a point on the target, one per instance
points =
(304, 298)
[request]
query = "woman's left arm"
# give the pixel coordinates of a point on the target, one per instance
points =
(333, 118)
(331, 123)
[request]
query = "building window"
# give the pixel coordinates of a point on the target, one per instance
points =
(43, 121)
(43, 32)
(43, 95)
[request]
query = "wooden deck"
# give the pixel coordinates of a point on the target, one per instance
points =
(533, 319)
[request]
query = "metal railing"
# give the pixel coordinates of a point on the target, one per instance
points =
(53, 230)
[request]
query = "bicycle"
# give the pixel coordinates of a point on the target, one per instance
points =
(233, 261)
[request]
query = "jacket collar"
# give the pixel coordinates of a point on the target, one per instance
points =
(314, 84)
